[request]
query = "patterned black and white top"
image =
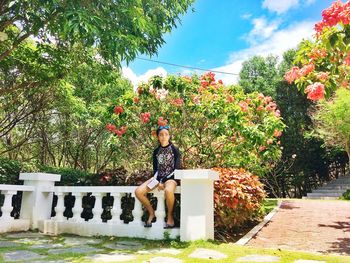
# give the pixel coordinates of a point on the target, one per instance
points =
(165, 161)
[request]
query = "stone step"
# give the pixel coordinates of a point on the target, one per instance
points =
(326, 191)
(335, 187)
(321, 197)
(324, 194)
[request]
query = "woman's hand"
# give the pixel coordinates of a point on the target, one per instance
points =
(160, 186)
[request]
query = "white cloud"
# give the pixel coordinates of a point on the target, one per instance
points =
(276, 44)
(280, 6)
(135, 80)
(309, 2)
(262, 30)
(246, 16)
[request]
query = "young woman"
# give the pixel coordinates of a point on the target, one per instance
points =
(166, 158)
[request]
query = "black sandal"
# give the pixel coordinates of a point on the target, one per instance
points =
(167, 226)
(148, 224)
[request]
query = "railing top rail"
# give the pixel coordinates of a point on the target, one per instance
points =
(100, 189)
(10, 187)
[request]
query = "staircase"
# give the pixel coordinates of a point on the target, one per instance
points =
(332, 190)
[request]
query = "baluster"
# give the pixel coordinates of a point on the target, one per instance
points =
(137, 212)
(160, 212)
(116, 210)
(7, 206)
(60, 207)
(78, 207)
(97, 210)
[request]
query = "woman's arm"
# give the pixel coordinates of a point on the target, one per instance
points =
(177, 158)
(155, 161)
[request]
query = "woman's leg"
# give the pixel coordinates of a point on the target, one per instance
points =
(169, 191)
(141, 194)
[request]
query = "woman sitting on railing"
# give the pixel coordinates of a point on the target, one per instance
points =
(166, 158)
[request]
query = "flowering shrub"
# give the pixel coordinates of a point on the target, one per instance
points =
(325, 63)
(214, 125)
(238, 197)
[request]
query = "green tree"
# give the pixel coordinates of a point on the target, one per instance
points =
(118, 29)
(214, 125)
(332, 120)
(260, 74)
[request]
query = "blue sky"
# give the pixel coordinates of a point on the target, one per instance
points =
(220, 35)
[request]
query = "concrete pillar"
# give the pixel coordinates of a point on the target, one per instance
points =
(197, 203)
(37, 205)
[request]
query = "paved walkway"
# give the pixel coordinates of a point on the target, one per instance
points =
(35, 247)
(308, 225)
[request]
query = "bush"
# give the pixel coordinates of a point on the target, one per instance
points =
(9, 171)
(238, 198)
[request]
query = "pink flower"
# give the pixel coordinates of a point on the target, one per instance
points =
(118, 110)
(292, 74)
(230, 98)
(243, 105)
(347, 60)
(177, 102)
(262, 148)
(261, 96)
(259, 108)
(269, 141)
(317, 53)
(331, 15)
(220, 82)
(196, 100)
(322, 76)
(277, 133)
(315, 91)
(307, 69)
(271, 106)
(277, 113)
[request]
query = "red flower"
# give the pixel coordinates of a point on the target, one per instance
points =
(118, 109)
(110, 127)
(204, 83)
(331, 15)
(315, 91)
(220, 82)
(154, 133)
(145, 117)
(292, 74)
(162, 121)
(136, 99)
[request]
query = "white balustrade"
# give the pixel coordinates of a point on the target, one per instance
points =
(116, 209)
(59, 209)
(160, 212)
(97, 210)
(7, 222)
(137, 212)
(197, 219)
(78, 207)
(7, 206)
